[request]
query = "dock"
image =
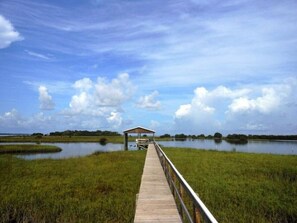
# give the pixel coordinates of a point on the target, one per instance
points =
(155, 201)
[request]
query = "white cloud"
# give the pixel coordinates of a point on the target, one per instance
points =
(113, 93)
(46, 101)
(266, 103)
(79, 102)
(99, 104)
(196, 115)
(249, 108)
(8, 34)
(199, 103)
(13, 121)
(83, 84)
(101, 97)
(38, 55)
(11, 115)
(184, 110)
(115, 120)
(149, 101)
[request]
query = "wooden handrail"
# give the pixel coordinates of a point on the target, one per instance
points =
(179, 188)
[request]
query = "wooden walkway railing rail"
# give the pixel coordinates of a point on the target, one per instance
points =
(190, 207)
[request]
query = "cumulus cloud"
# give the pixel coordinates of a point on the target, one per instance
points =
(149, 101)
(79, 103)
(9, 116)
(245, 109)
(100, 101)
(8, 34)
(113, 93)
(197, 114)
(101, 97)
(95, 105)
(46, 101)
(265, 103)
(83, 84)
(13, 121)
(115, 119)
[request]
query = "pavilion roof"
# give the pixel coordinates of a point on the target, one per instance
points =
(139, 129)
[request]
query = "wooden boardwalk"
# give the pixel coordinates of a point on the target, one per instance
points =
(155, 202)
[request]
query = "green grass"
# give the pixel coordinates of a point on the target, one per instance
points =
(96, 188)
(109, 139)
(241, 187)
(28, 148)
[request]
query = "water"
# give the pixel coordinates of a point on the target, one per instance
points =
(83, 149)
(75, 150)
(273, 147)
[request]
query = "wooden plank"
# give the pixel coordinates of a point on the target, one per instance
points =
(155, 202)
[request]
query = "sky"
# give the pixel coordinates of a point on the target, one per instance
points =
(175, 66)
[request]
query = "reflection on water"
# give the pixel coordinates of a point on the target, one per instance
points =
(218, 141)
(76, 149)
(274, 147)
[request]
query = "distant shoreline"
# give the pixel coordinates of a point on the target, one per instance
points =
(13, 134)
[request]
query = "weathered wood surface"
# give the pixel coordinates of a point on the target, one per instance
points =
(155, 202)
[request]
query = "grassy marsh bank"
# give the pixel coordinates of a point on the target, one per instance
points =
(28, 149)
(241, 187)
(49, 139)
(96, 188)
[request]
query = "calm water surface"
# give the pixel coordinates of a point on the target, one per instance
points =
(75, 150)
(83, 149)
(273, 147)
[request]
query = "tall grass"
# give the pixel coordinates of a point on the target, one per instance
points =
(27, 148)
(38, 139)
(48, 139)
(97, 188)
(240, 187)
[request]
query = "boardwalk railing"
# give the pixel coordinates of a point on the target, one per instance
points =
(190, 207)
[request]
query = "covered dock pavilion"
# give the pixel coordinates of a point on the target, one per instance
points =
(139, 141)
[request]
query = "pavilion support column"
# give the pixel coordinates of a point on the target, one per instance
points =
(126, 141)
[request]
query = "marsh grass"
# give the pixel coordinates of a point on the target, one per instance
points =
(241, 187)
(65, 139)
(96, 188)
(28, 149)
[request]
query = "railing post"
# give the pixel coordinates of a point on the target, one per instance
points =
(173, 181)
(181, 191)
(170, 182)
(197, 216)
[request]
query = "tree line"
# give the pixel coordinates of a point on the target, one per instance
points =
(217, 135)
(241, 137)
(80, 133)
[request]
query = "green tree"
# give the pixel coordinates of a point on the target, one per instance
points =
(165, 136)
(217, 135)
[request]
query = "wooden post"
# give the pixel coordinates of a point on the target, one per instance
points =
(181, 191)
(197, 216)
(173, 181)
(126, 141)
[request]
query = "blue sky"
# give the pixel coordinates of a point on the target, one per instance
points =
(175, 66)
